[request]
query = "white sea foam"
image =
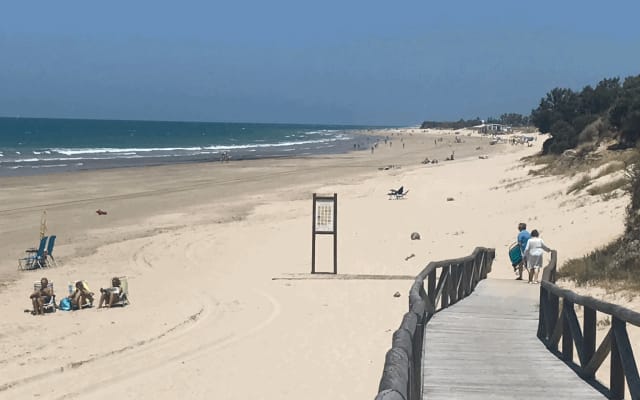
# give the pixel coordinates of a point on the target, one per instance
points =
(28, 160)
(32, 160)
(281, 144)
(71, 152)
(321, 132)
(50, 166)
(329, 136)
(59, 157)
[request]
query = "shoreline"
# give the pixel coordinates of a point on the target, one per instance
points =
(47, 166)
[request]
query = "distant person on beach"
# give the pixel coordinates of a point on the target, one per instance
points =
(40, 297)
(533, 253)
(110, 295)
(522, 239)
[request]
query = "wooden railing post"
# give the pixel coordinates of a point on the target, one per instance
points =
(431, 288)
(446, 271)
(455, 274)
(589, 334)
(471, 266)
(422, 291)
(473, 271)
(484, 267)
(616, 373)
(553, 303)
(567, 340)
(543, 333)
(462, 288)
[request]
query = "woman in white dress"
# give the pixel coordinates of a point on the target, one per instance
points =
(533, 254)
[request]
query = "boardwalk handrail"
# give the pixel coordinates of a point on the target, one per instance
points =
(402, 377)
(558, 321)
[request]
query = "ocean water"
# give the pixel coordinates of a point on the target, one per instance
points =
(31, 146)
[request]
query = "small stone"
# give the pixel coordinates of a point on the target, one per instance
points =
(396, 294)
(450, 199)
(415, 236)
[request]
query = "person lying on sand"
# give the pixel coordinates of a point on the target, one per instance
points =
(81, 296)
(111, 294)
(40, 297)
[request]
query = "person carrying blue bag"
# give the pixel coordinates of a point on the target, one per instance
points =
(522, 239)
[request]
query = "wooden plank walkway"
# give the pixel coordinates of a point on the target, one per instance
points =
(485, 347)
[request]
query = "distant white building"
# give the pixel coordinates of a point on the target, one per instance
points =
(495, 129)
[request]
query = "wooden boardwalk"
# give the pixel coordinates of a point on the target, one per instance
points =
(485, 347)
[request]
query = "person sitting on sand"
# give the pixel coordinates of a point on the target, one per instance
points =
(40, 297)
(111, 294)
(80, 296)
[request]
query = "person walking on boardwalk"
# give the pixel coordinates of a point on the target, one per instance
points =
(523, 239)
(533, 254)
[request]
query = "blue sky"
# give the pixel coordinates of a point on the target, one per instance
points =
(353, 62)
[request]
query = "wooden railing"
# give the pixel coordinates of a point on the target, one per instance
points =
(558, 322)
(446, 282)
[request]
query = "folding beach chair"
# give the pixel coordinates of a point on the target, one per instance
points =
(123, 297)
(48, 255)
(89, 295)
(401, 195)
(36, 260)
(393, 192)
(50, 304)
(397, 194)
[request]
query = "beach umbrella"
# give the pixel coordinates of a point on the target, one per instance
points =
(43, 224)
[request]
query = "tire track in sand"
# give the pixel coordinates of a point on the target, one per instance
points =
(155, 354)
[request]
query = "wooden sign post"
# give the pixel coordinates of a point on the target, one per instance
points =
(325, 222)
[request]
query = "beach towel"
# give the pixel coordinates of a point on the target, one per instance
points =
(515, 255)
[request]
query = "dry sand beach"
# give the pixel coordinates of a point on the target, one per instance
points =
(202, 244)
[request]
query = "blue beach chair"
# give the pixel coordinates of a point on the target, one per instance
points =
(48, 255)
(36, 260)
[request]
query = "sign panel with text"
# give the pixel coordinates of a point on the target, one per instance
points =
(325, 215)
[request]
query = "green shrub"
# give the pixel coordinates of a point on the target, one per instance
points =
(596, 267)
